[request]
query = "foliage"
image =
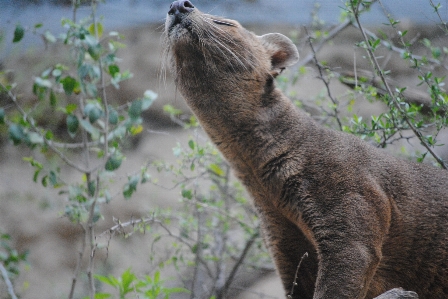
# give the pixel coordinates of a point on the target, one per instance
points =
(95, 129)
(217, 227)
(9, 256)
(405, 117)
(129, 284)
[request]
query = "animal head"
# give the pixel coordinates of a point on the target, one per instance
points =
(207, 50)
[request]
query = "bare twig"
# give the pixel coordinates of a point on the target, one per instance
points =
(331, 34)
(325, 81)
(305, 255)
(240, 260)
(8, 282)
(78, 265)
(390, 93)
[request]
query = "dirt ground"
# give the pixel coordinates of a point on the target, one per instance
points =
(31, 214)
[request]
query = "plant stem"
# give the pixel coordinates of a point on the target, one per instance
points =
(8, 282)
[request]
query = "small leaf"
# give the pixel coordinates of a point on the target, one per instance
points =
(16, 133)
(19, 32)
(135, 130)
(91, 186)
(49, 37)
(102, 295)
(99, 29)
(2, 116)
(94, 132)
(53, 99)
(187, 193)
(114, 162)
(216, 169)
(113, 116)
(72, 125)
(113, 69)
(35, 138)
(135, 109)
(70, 108)
(191, 144)
(131, 186)
(69, 84)
(43, 82)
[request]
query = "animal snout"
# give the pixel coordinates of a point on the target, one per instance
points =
(180, 7)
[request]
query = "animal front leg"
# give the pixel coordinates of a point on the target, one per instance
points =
(345, 270)
(287, 244)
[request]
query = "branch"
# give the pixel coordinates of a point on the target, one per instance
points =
(326, 82)
(304, 256)
(240, 260)
(7, 281)
(391, 94)
(333, 32)
(397, 293)
(47, 142)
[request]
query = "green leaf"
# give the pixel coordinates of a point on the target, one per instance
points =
(131, 186)
(171, 110)
(114, 162)
(93, 111)
(45, 181)
(53, 99)
(187, 193)
(2, 116)
(99, 29)
(110, 280)
(70, 108)
(102, 296)
(113, 116)
(94, 132)
(43, 82)
(91, 187)
(216, 169)
(53, 178)
(72, 125)
(69, 83)
(19, 32)
(113, 70)
(135, 110)
(49, 37)
(191, 144)
(35, 138)
(16, 133)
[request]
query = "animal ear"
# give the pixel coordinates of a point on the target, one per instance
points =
(282, 51)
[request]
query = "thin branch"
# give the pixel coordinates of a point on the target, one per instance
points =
(45, 140)
(326, 82)
(78, 265)
(391, 94)
(305, 255)
(436, 9)
(240, 260)
(331, 34)
(401, 51)
(8, 282)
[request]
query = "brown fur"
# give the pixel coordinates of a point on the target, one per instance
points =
(370, 222)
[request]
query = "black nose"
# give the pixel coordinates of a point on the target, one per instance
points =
(180, 7)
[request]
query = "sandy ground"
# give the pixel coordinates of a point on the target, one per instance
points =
(31, 214)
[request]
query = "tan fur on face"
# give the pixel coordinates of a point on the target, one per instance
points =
(369, 222)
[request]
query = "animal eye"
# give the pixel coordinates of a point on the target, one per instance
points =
(223, 23)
